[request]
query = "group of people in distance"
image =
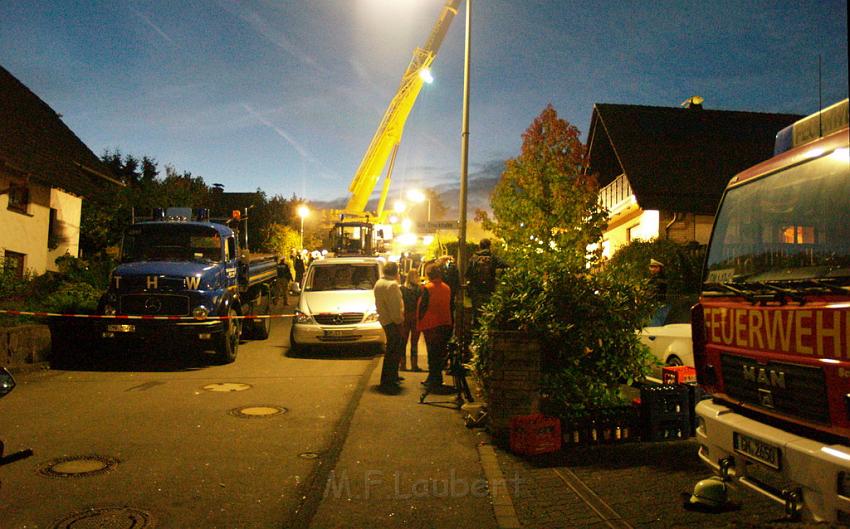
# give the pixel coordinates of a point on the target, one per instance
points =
(407, 310)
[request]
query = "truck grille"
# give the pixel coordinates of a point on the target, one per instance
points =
(792, 389)
(346, 318)
(154, 305)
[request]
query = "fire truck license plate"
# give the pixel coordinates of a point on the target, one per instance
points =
(756, 449)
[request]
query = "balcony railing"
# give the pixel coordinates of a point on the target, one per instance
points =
(615, 193)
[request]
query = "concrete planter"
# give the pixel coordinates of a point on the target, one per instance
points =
(512, 379)
(24, 344)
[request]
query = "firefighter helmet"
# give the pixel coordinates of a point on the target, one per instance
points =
(709, 492)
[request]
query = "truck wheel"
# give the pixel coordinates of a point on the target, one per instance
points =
(227, 342)
(262, 326)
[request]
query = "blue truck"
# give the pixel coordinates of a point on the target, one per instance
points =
(178, 272)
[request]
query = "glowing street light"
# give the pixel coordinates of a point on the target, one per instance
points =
(303, 211)
(399, 206)
(415, 195)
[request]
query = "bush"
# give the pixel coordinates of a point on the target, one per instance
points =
(73, 298)
(587, 325)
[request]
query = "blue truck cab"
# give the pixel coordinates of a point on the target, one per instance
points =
(176, 272)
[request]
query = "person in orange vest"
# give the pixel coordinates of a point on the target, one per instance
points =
(435, 322)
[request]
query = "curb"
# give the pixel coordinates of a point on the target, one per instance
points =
(503, 505)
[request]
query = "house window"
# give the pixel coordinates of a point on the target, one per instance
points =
(19, 197)
(14, 262)
(632, 232)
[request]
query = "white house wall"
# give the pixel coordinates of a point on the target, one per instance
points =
(68, 212)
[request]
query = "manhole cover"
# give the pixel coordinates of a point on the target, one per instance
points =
(257, 412)
(309, 455)
(77, 466)
(227, 387)
(106, 518)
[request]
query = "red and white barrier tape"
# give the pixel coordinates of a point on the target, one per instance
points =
(141, 316)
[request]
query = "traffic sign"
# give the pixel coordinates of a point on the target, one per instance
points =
(435, 225)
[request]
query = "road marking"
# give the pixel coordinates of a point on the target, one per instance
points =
(602, 509)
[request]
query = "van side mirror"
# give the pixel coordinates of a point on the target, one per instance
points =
(7, 383)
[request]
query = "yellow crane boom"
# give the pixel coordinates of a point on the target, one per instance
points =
(385, 142)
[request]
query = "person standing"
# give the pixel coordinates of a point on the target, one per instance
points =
(298, 263)
(284, 276)
(390, 307)
(481, 275)
(410, 292)
(658, 292)
(435, 321)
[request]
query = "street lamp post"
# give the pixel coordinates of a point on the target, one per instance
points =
(303, 211)
(464, 175)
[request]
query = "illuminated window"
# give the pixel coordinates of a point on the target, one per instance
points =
(798, 234)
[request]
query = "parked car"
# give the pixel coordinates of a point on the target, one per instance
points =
(671, 343)
(337, 305)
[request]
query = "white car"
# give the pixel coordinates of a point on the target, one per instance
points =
(337, 305)
(671, 343)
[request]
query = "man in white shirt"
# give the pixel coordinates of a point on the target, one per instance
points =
(390, 307)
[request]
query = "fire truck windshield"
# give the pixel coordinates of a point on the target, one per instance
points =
(789, 226)
(167, 242)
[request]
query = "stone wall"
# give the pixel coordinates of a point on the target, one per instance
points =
(24, 344)
(513, 385)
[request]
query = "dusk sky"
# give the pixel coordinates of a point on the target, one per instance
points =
(286, 95)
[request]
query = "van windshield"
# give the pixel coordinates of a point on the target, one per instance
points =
(342, 277)
(789, 226)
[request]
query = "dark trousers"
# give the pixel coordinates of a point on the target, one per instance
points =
(409, 331)
(389, 371)
(436, 341)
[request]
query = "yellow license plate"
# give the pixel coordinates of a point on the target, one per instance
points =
(121, 328)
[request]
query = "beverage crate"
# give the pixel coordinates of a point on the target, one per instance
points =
(619, 424)
(535, 434)
(678, 374)
(674, 429)
(664, 407)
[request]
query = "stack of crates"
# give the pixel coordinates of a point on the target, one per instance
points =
(535, 434)
(665, 412)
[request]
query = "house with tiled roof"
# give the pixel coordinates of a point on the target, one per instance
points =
(662, 170)
(46, 172)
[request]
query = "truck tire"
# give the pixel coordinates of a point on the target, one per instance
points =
(262, 326)
(227, 342)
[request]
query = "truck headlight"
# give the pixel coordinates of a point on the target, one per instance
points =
(200, 312)
(371, 317)
(301, 317)
(109, 310)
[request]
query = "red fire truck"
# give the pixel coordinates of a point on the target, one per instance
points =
(771, 332)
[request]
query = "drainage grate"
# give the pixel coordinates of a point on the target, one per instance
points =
(257, 412)
(226, 387)
(106, 518)
(77, 466)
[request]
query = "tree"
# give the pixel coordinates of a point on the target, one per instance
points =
(548, 215)
(542, 202)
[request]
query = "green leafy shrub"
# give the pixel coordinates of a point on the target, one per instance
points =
(682, 268)
(587, 325)
(75, 297)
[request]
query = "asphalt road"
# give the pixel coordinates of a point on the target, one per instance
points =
(176, 454)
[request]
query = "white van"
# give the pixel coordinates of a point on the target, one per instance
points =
(337, 305)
